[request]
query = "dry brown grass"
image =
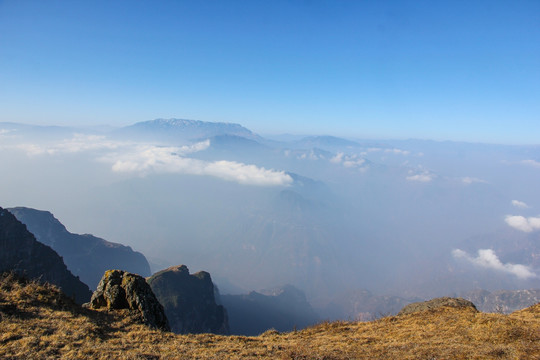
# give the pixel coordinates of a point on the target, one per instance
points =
(39, 322)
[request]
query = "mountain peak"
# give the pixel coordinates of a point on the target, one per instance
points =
(184, 129)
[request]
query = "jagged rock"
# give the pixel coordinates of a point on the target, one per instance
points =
(21, 253)
(189, 301)
(86, 256)
(437, 303)
(119, 290)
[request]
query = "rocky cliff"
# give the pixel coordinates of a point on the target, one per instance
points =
(86, 256)
(121, 290)
(189, 301)
(21, 253)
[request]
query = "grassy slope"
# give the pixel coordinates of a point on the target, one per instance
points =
(39, 322)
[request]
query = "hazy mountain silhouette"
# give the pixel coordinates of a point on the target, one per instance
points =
(21, 253)
(325, 214)
(85, 255)
(181, 129)
(283, 309)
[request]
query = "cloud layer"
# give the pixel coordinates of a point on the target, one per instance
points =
(488, 259)
(422, 177)
(146, 159)
(530, 162)
(349, 161)
(78, 143)
(520, 204)
(153, 159)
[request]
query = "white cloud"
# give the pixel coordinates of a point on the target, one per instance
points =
(420, 177)
(190, 149)
(470, 180)
(78, 143)
(522, 223)
(532, 163)
(153, 159)
(397, 151)
(31, 149)
(424, 176)
(338, 158)
(353, 162)
(420, 174)
(374, 149)
(520, 204)
(488, 259)
(311, 155)
(388, 151)
(349, 161)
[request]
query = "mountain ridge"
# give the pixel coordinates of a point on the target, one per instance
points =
(85, 255)
(21, 253)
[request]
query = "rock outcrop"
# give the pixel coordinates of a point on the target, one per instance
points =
(21, 253)
(85, 255)
(189, 301)
(435, 304)
(120, 290)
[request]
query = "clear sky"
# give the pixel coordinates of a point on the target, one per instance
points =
(458, 70)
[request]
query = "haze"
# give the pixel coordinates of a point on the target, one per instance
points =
(334, 146)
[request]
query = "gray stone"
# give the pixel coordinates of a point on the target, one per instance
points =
(119, 290)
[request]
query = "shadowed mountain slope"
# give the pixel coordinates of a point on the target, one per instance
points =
(85, 255)
(21, 253)
(282, 309)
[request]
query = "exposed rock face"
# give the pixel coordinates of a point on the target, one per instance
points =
(189, 301)
(283, 309)
(119, 290)
(435, 304)
(86, 256)
(21, 253)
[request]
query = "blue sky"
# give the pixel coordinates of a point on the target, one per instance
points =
(458, 70)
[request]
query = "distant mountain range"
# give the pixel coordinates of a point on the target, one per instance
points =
(181, 129)
(383, 215)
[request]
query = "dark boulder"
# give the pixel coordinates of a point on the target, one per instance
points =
(119, 290)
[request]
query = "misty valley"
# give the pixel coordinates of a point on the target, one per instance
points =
(292, 229)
